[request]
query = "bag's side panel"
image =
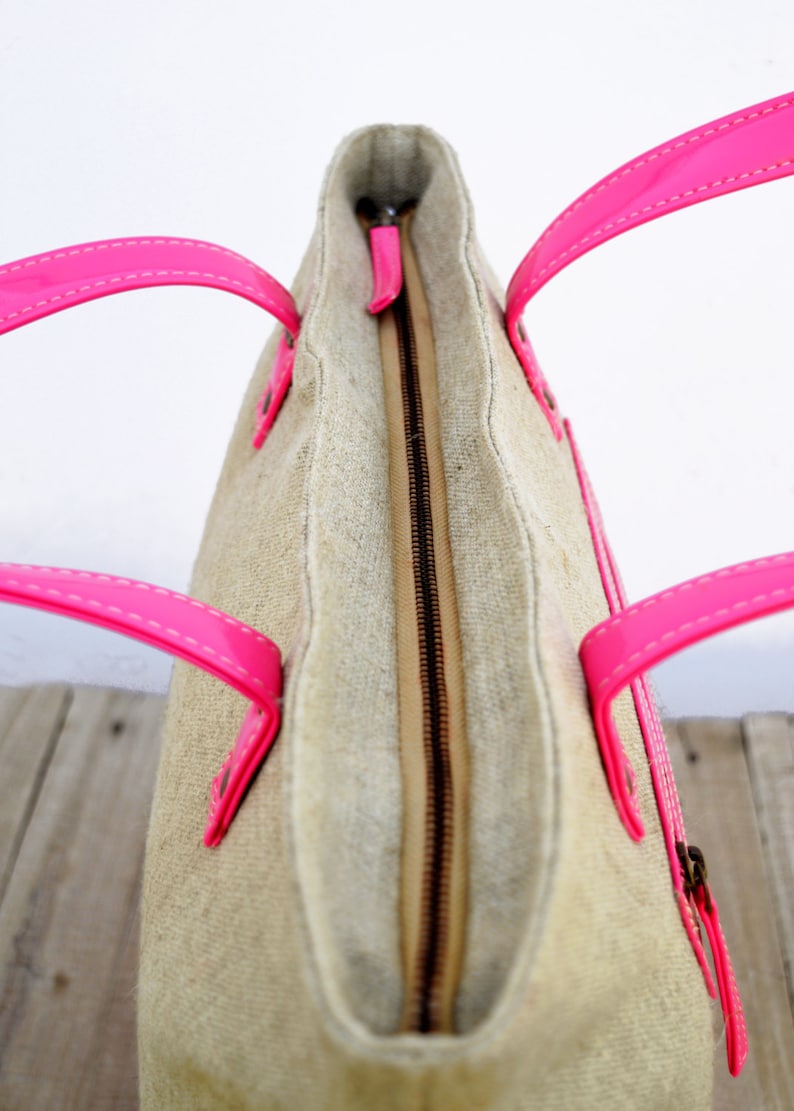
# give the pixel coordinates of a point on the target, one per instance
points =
(220, 947)
(512, 805)
(615, 974)
(346, 790)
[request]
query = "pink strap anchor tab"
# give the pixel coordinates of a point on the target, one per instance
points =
(35, 287)
(206, 637)
(747, 148)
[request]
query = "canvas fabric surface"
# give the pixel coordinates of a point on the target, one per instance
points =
(270, 967)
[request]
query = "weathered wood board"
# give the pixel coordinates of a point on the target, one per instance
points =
(78, 776)
(68, 917)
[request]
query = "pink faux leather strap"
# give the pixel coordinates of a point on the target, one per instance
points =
(34, 287)
(635, 639)
(185, 627)
(623, 647)
(746, 148)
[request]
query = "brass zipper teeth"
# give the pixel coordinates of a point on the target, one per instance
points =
(430, 685)
(435, 725)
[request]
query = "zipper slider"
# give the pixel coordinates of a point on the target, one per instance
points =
(384, 243)
(696, 886)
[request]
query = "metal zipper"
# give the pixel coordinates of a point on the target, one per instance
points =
(430, 673)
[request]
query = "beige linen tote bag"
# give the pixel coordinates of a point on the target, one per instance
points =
(460, 879)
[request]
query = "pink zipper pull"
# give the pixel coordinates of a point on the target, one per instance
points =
(384, 242)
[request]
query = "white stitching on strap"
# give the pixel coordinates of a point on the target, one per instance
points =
(116, 610)
(73, 293)
(645, 159)
(535, 280)
(681, 588)
(704, 619)
(88, 248)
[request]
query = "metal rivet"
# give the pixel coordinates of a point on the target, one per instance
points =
(225, 781)
(266, 402)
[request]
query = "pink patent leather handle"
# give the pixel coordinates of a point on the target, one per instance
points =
(735, 152)
(631, 641)
(34, 287)
(635, 639)
(219, 644)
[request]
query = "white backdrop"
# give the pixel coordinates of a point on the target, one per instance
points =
(669, 349)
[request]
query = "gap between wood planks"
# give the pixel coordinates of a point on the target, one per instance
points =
(79, 769)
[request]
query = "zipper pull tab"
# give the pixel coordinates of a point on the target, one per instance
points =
(696, 884)
(384, 242)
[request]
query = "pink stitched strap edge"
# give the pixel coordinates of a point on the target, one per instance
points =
(185, 627)
(746, 148)
(641, 636)
(35, 287)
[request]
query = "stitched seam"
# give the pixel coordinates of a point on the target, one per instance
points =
(90, 248)
(117, 611)
(646, 159)
(161, 590)
(527, 289)
(703, 580)
(73, 293)
(115, 580)
(704, 619)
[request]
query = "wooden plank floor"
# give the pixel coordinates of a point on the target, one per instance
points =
(78, 771)
(74, 802)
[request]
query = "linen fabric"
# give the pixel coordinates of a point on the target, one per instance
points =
(271, 967)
